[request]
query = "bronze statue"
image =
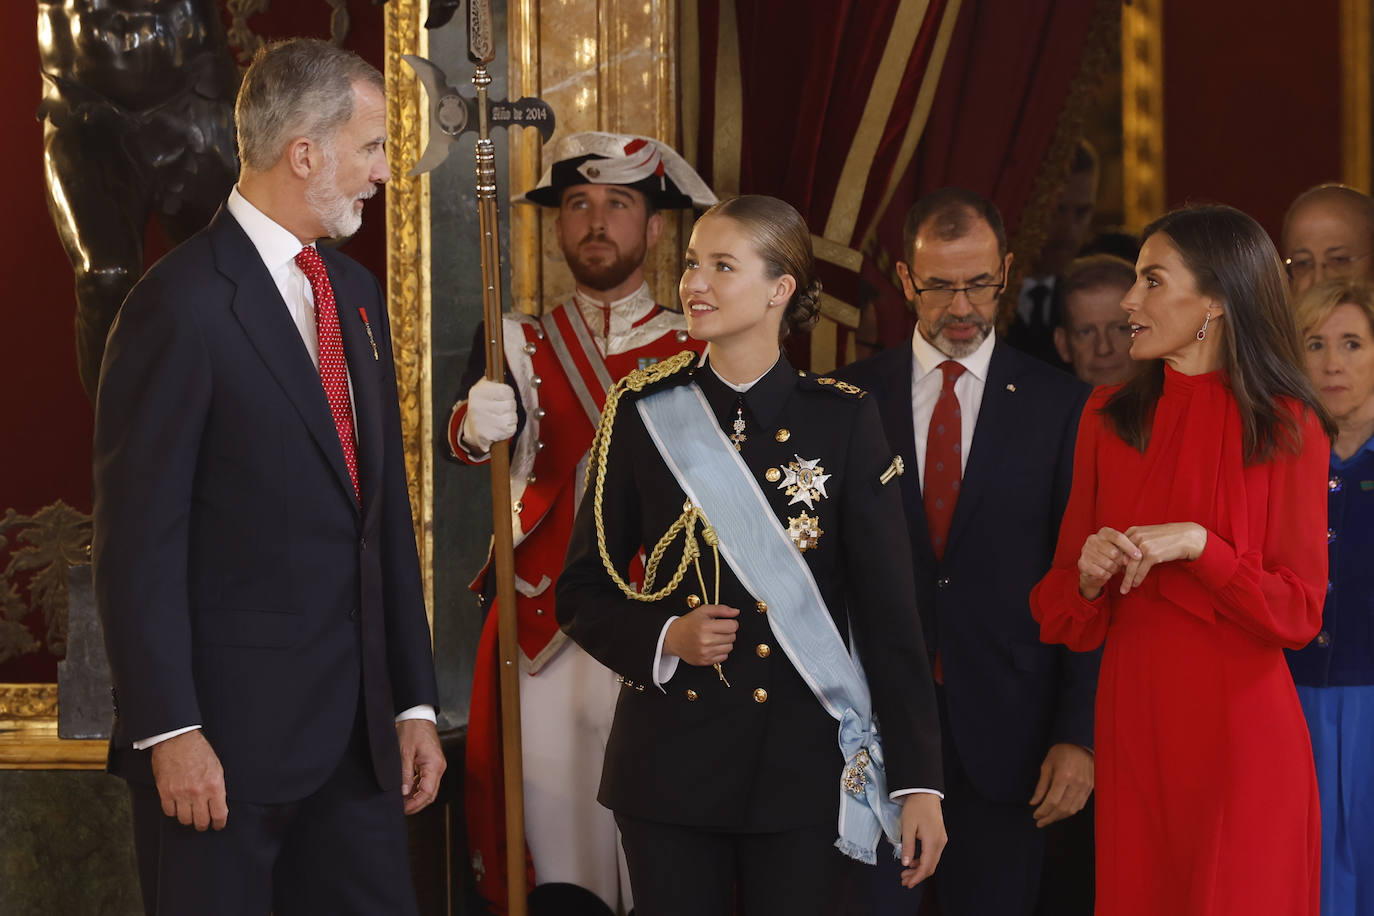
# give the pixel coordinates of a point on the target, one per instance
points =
(138, 100)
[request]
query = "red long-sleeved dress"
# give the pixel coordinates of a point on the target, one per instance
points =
(1206, 794)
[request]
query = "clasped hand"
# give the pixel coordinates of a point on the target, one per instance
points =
(703, 637)
(1134, 552)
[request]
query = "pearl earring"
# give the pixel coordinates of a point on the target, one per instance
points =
(1202, 334)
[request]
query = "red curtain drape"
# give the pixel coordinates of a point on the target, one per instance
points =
(829, 99)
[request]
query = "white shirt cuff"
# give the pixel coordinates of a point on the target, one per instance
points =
(900, 792)
(158, 739)
(665, 665)
(423, 711)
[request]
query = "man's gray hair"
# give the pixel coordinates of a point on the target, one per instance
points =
(302, 87)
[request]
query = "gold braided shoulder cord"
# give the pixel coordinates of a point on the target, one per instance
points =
(686, 523)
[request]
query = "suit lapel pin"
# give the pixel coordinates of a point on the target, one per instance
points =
(370, 339)
(1011, 388)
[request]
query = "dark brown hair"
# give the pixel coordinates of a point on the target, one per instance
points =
(1232, 259)
(783, 241)
(955, 213)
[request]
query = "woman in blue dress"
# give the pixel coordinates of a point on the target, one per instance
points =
(1335, 672)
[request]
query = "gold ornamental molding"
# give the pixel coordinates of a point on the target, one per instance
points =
(526, 149)
(28, 701)
(408, 273)
(1356, 157)
(1142, 111)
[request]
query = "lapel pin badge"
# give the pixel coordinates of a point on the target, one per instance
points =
(370, 339)
(1011, 388)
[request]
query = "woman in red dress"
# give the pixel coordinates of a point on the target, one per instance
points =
(1194, 545)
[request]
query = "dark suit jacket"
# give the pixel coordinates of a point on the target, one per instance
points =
(239, 582)
(1009, 695)
(706, 755)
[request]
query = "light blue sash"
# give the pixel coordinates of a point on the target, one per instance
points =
(770, 567)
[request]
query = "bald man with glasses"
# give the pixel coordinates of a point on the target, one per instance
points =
(987, 437)
(1328, 232)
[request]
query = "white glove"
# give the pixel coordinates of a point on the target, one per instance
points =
(491, 416)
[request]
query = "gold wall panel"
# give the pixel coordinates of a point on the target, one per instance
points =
(1142, 111)
(407, 272)
(609, 66)
(1355, 94)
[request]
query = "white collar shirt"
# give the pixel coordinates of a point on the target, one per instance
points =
(926, 381)
(277, 246)
(622, 316)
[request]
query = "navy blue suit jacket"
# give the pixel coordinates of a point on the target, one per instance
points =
(1009, 695)
(240, 583)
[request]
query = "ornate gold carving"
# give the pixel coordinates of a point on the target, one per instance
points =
(240, 34)
(1142, 110)
(54, 538)
(407, 274)
(339, 21)
(522, 55)
(28, 701)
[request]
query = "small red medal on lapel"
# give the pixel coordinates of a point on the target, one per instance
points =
(370, 339)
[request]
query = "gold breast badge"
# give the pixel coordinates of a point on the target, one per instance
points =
(804, 481)
(805, 531)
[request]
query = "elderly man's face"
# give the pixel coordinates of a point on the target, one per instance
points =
(1096, 337)
(1328, 236)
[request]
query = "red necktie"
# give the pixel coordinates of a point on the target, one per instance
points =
(333, 368)
(943, 468)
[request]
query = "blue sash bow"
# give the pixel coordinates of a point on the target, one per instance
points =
(770, 567)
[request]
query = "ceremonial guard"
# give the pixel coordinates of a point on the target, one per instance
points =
(765, 505)
(607, 190)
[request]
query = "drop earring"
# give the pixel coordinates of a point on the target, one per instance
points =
(1207, 319)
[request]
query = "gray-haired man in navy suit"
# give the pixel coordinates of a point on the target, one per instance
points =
(255, 564)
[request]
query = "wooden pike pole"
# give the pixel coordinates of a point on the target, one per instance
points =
(451, 115)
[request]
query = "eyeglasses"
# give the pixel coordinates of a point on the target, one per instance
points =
(982, 294)
(1338, 265)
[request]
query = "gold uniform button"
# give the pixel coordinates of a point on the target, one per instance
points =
(760, 695)
(783, 435)
(761, 607)
(519, 506)
(763, 650)
(693, 602)
(772, 475)
(691, 695)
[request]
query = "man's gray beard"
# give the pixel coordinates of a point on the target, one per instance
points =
(334, 210)
(958, 349)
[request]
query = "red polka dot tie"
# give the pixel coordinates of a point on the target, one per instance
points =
(943, 470)
(333, 368)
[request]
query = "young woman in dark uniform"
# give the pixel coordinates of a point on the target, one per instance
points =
(741, 521)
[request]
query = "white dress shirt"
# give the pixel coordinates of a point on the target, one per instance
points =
(926, 381)
(278, 247)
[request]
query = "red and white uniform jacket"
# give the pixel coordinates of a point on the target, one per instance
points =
(561, 365)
